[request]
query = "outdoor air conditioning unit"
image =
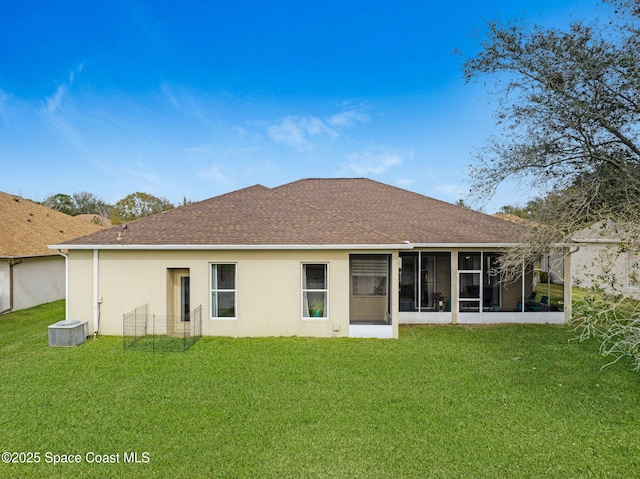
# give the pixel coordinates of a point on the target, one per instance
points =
(68, 332)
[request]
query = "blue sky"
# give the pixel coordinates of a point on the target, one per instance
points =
(194, 99)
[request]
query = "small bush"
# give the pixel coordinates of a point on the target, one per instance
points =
(543, 277)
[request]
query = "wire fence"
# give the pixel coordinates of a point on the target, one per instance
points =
(145, 331)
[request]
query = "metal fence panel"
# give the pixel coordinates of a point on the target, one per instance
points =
(144, 331)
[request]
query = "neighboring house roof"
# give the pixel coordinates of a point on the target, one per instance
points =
(311, 212)
(26, 228)
(95, 219)
(514, 219)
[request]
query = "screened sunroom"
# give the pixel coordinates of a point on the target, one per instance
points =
(465, 286)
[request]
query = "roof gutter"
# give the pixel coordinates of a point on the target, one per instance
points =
(27, 256)
(257, 247)
(155, 247)
(598, 241)
(465, 245)
(253, 247)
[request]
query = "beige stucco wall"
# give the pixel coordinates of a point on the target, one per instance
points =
(593, 259)
(80, 279)
(5, 284)
(36, 280)
(269, 299)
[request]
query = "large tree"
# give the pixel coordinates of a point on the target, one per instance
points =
(569, 102)
(88, 203)
(569, 108)
(78, 204)
(138, 205)
(61, 202)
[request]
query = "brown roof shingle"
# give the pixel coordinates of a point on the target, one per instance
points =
(311, 212)
(27, 228)
(410, 216)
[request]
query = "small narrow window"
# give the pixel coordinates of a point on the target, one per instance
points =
(314, 291)
(223, 290)
(185, 301)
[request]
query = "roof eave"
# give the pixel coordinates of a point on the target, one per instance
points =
(25, 256)
(138, 247)
(248, 247)
(465, 245)
(565, 244)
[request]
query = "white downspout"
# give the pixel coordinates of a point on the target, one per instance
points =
(66, 283)
(96, 305)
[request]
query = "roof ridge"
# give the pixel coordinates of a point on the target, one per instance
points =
(380, 183)
(343, 218)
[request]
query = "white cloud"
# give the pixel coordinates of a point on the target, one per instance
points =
(73, 73)
(144, 172)
(347, 118)
(54, 101)
(213, 172)
(317, 127)
(169, 96)
(299, 132)
(450, 192)
(186, 103)
(4, 105)
(373, 162)
(241, 131)
(198, 150)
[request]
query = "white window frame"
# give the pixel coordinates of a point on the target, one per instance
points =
(213, 290)
(482, 272)
(304, 306)
(474, 272)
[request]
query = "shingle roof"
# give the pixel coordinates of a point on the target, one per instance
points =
(311, 212)
(26, 228)
(407, 215)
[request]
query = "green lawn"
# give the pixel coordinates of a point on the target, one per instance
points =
(441, 402)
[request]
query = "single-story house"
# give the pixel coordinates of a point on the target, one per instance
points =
(552, 264)
(603, 259)
(30, 272)
(316, 257)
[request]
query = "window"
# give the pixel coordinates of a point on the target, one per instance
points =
(478, 282)
(491, 281)
(223, 290)
(425, 281)
(185, 301)
(469, 261)
(469, 273)
(369, 275)
(314, 291)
